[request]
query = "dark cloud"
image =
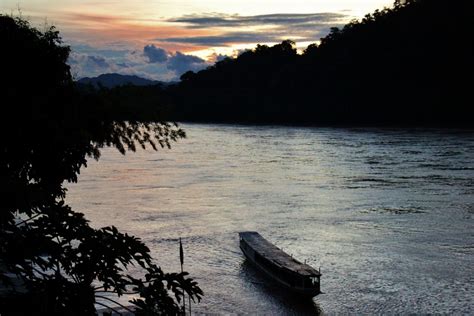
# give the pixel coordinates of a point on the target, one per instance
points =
(223, 20)
(155, 54)
(180, 63)
(176, 62)
(278, 27)
(98, 61)
(270, 36)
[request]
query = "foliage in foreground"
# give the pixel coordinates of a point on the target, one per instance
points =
(62, 263)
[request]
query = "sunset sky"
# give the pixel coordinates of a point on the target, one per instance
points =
(163, 39)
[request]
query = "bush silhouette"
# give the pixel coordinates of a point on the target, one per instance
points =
(60, 265)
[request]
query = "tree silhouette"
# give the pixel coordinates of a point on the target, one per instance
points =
(411, 64)
(51, 261)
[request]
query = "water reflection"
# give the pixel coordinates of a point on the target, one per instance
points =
(387, 214)
(285, 302)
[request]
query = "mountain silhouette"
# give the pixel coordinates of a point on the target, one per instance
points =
(112, 80)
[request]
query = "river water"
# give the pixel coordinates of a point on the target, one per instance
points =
(387, 214)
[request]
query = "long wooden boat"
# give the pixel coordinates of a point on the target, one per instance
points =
(298, 277)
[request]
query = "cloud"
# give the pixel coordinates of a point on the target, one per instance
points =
(177, 62)
(83, 65)
(226, 20)
(155, 54)
(151, 62)
(181, 63)
(271, 28)
(123, 65)
(117, 31)
(98, 61)
(227, 39)
(111, 44)
(217, 57)
(106, 52)
(220, 57)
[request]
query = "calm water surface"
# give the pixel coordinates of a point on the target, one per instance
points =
(388, 215)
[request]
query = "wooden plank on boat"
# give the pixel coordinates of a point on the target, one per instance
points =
(276, 255)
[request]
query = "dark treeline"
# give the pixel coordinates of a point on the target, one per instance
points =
(129, 102)
(411, 64)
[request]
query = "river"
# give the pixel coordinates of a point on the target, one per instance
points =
(387, 214)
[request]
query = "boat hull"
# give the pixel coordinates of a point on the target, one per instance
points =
(304, 293)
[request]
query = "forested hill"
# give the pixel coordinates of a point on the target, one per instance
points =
(112, 80)
(411, 64)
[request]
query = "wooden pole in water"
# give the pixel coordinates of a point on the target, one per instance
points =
(181, 259)
(189, 296)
